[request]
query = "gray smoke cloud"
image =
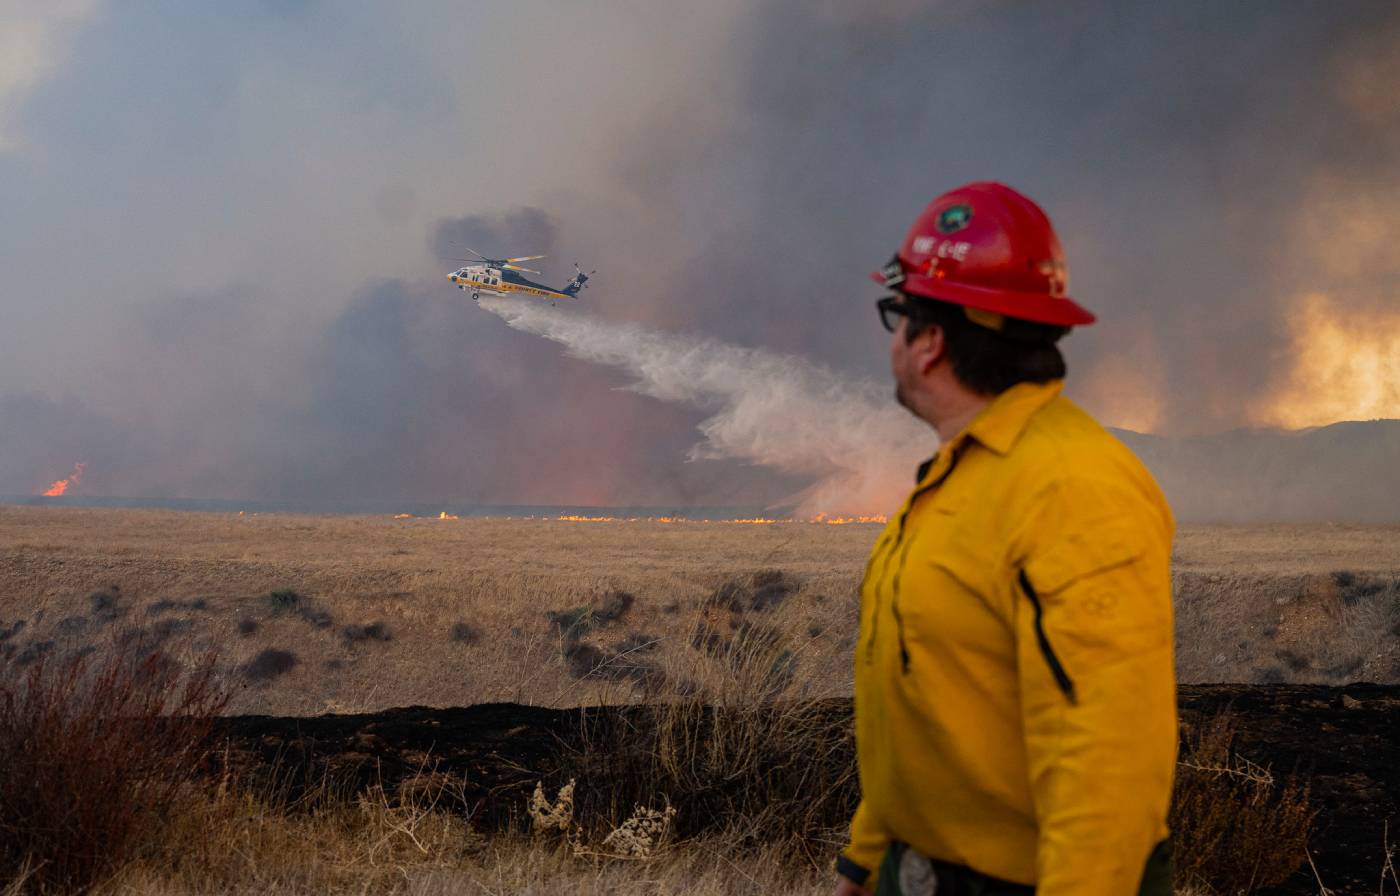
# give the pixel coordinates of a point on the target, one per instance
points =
(221, 260)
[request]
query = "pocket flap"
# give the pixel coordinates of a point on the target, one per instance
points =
(1082, 553)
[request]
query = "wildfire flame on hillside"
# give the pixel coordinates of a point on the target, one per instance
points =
(1345, 367)
(751, 521)
(845, 520)
(61, 486)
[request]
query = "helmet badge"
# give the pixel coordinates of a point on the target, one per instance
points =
(954, 218)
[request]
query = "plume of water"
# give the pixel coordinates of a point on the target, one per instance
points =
(779, 411)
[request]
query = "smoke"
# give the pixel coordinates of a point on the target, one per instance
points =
(223, 269)
(775, 410)
(33, 39)
(521, 231)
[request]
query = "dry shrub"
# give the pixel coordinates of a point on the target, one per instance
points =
(1237, 828)
(576, 622)
(289, 602)
(92, 754)
(238, 841)
(465, 633)
(269, 664)
(235, 838)
(373, 631)
(756, 773)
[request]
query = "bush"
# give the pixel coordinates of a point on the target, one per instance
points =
(613, 607)
(465, 633)
(269, 664)
(576, 622)
(1237, 829)
(759, 773)
(92, 755)
(284, 600)
(374, 631)
(288, 601)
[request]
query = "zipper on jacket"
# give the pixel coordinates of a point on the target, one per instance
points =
(1057, 669)
(899, 569)
(875, 598)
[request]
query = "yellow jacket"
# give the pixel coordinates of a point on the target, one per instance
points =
(1015, 698)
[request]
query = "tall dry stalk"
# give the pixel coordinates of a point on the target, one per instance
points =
(1237, 827)
(92, 755)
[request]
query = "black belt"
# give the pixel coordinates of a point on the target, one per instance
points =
(906, 872)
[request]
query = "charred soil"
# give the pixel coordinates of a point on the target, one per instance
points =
(1340, 740)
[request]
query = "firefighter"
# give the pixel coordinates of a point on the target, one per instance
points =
(1015, 700)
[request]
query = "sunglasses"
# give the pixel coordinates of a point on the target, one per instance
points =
(891, 309)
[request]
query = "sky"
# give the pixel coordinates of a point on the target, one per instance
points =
(224, 229)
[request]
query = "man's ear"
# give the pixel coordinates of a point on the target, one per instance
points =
(928, 348)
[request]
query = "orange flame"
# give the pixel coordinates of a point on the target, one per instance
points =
(1345, 367)
(60, 486)
(444, 515)
(846, 520)
(748, 521)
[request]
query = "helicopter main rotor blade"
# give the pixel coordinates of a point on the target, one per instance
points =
(524, 258)
(511, 267)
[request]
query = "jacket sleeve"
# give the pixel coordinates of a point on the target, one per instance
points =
(860, 860)
(1101, 732)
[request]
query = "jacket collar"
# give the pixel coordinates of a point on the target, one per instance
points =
(1001, 423)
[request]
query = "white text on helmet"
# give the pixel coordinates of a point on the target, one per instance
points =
(955, 249)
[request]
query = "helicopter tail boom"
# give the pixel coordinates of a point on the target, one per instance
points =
(579, 282)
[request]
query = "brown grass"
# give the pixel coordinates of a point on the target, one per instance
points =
(1237, 828)
(240, 844)
(466, 603)
(761, 793)
(316, 614)
(92, 754)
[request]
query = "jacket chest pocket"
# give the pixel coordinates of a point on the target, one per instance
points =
(948, 591)
(952, 595)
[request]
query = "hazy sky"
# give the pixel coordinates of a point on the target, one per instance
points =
(224, 228)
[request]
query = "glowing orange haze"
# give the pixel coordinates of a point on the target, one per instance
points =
(755, 521)
(1342, 364)
(1345, 366)
(61, 486)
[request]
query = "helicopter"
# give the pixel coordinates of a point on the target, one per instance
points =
(502, 277)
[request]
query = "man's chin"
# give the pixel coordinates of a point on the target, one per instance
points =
(902, 399)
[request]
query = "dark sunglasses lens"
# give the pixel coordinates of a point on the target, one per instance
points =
(889, 313)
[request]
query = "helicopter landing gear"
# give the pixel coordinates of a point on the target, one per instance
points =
(475, 296)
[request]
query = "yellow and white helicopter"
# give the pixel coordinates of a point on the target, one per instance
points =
(502, 277)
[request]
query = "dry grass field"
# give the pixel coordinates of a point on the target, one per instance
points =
(313, 614)
(1288, 604)
(377, 612)
(309, 615)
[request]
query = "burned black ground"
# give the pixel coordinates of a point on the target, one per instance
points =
(1339, 739)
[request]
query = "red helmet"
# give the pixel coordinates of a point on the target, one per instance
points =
(986, 247)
